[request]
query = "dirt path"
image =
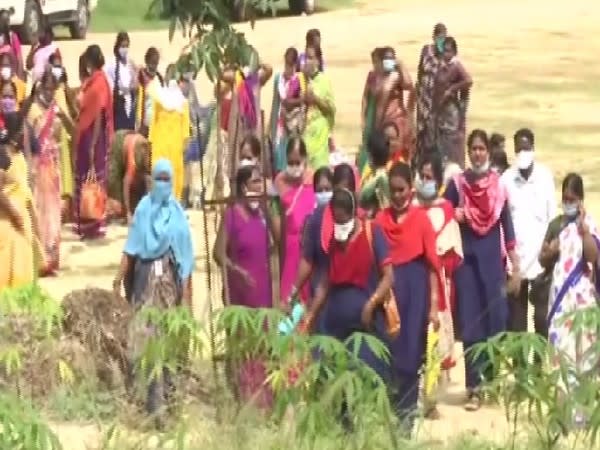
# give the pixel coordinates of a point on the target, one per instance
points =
(499, 44)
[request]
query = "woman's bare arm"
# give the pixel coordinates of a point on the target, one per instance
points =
(464, 79)
(265, 72)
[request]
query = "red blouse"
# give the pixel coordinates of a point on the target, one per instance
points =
(351, 263)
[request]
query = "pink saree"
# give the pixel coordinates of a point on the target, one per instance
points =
(46, 188)
(297, 202)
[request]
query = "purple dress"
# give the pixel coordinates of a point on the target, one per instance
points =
(248, 248)
(482, 309)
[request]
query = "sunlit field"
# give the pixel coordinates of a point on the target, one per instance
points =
(534, 64)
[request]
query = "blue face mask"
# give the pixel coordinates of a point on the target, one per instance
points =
(427, 189)
(389, 65)
(323, 197)
(439, 44)
(570, 209)
(161, 191)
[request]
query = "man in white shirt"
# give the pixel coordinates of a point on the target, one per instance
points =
(530, 187)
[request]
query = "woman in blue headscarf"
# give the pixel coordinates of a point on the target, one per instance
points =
(157, 263)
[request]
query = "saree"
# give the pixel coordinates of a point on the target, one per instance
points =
(450, 114)
(429, 65)
(374, 193)
(47, 129)
(318, 125)
(126, 155)
(362, 158)
(96, 104)
(283, 89)
(244, 119)
(17, 247)
(573, 290)
(449, 249)
(66, 160)
(298, 202)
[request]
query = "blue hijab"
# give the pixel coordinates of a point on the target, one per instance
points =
(160, 224)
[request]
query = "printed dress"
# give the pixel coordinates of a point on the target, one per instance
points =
(578, 293)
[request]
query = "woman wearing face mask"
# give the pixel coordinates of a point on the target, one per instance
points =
(242, 250)
(318, 231)
(92, 137)
(8, 100)
(368, 106)
(570, 251)
(10, 43)
(481, 209)
(250, 151)
(121, 74)
(297, 199)
(430, 62)
(450, 101)
(416, 267)
(8, 74)
(374, 187)
(47, 123)
(320, 115)
(288, 116)
(358, 278)
(156, 267)
(149, 80)
(40, 52)
(390, 100)
(449, 250)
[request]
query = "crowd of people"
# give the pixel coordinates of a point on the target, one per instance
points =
(406, 226)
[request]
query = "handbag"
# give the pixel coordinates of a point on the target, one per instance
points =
(93, 199)
(390, 307)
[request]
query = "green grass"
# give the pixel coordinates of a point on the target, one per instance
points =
(111, 16)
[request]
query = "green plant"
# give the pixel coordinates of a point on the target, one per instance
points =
(548, 392)
(32, 322)
(320, 378)
(21, 428)
(173, 335)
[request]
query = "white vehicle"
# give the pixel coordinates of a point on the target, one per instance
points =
(28, 16)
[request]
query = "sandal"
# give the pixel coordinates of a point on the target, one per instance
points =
(473, 402)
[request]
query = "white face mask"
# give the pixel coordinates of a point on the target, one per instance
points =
(6, 73)
(57, 72)
(123, 52)
(253, 204)
(295, 171)
(341, 231)
(524, 159)
(248, 162)
(323, 197)
(483, 168)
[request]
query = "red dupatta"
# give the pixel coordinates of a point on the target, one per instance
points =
(481, 198)
(96, 96)
(411, 238)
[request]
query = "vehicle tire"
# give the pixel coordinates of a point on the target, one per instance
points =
(296, 6)
(32, 22)
(78, 29)
(309, 6)
(239, 13)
